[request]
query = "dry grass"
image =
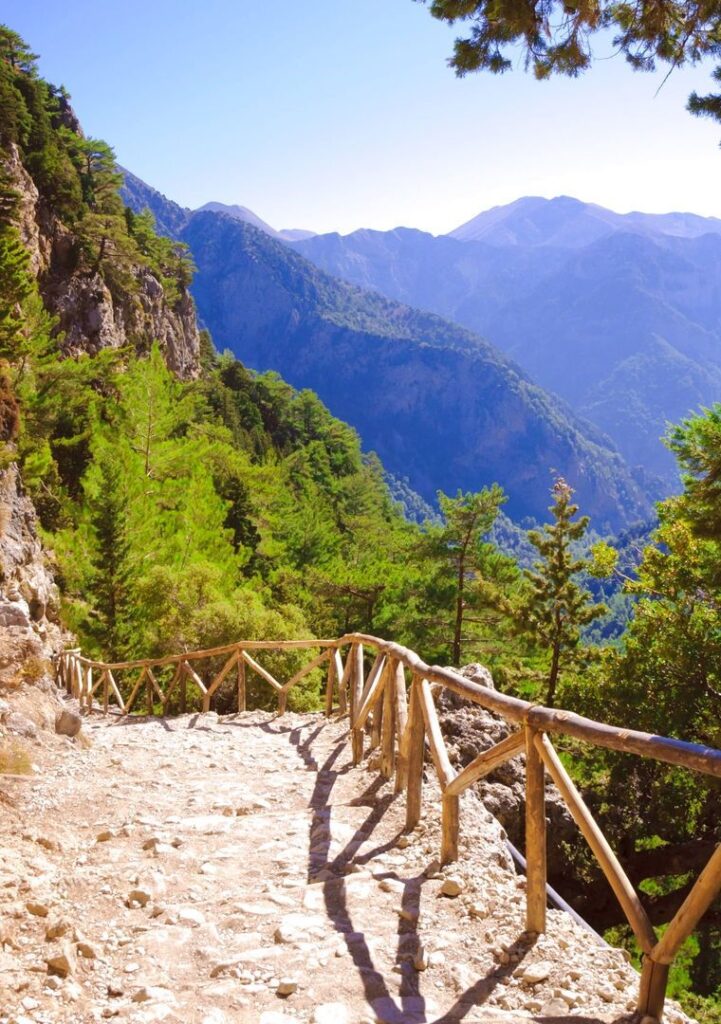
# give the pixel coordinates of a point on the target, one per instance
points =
(14, 758)
(34, 668)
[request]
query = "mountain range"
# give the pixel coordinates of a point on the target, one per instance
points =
(620, 315)
(441, 406)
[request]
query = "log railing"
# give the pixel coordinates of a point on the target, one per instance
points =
(392, 708)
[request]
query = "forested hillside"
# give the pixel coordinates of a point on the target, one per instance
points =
(619, 315)
(439, 404)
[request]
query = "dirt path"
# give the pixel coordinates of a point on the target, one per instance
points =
(205, 870)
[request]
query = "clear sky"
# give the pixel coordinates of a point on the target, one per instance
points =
(338, 114)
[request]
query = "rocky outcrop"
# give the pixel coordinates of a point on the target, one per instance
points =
(91, 317)
(29, 601)
(91, 313)
(468, 729)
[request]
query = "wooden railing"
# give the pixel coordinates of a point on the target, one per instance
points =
(398, 715)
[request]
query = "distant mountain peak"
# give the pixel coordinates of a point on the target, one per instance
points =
(242, 213)
(570, 223)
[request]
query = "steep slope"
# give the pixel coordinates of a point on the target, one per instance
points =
(438, 404)
(620, 315)
(246, 215)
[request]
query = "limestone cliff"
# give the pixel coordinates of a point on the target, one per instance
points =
(29, 599)
(92, 313)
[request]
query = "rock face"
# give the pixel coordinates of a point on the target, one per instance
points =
(29, 600)
(468, 729)
(91, 314)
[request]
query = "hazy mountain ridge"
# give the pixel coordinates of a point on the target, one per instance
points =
(624, 324)
(439, 405)
(571, 223)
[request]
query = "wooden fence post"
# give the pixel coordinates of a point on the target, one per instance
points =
(450, 828)
(401, 717)
(183, 707)
(535, 836)
(388, 721)
(356, 689)
(415, 748)
(654, 979)
(241, 682)
(376, 721)
(329, 684)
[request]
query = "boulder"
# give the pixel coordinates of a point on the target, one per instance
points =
(68, 723)
(20, 725)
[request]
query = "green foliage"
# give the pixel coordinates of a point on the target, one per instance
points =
(463, 581)
(667, 680)
(555, 607)
(697, 445)
(557, 38)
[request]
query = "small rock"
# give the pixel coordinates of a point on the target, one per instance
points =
(72, 991)
(53, 983)
(191, 916)
(286, 987)
(452, 886)
(37, 909)
(104, 836)
(153, 993)
(86, 950)
(62, 963)
(68, 723)
(534, 973)
(554, 1008)
(131, 968)
(115, 988)
(49, 844)
(58, 928)
(137, 898)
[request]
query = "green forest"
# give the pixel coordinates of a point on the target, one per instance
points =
(189, 513)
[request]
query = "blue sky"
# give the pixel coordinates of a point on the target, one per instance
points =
(339, 114)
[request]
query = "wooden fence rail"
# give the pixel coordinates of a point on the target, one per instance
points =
(397, 714)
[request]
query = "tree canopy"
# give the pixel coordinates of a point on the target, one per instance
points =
(557, 37)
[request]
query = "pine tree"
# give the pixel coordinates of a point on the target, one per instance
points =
(462, 555)
(556, 607)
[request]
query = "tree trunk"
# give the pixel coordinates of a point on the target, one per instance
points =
(458, 630)
(553, 674)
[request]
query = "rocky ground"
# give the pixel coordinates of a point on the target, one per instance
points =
(205, 870)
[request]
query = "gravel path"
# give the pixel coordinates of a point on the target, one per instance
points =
(205, 870)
